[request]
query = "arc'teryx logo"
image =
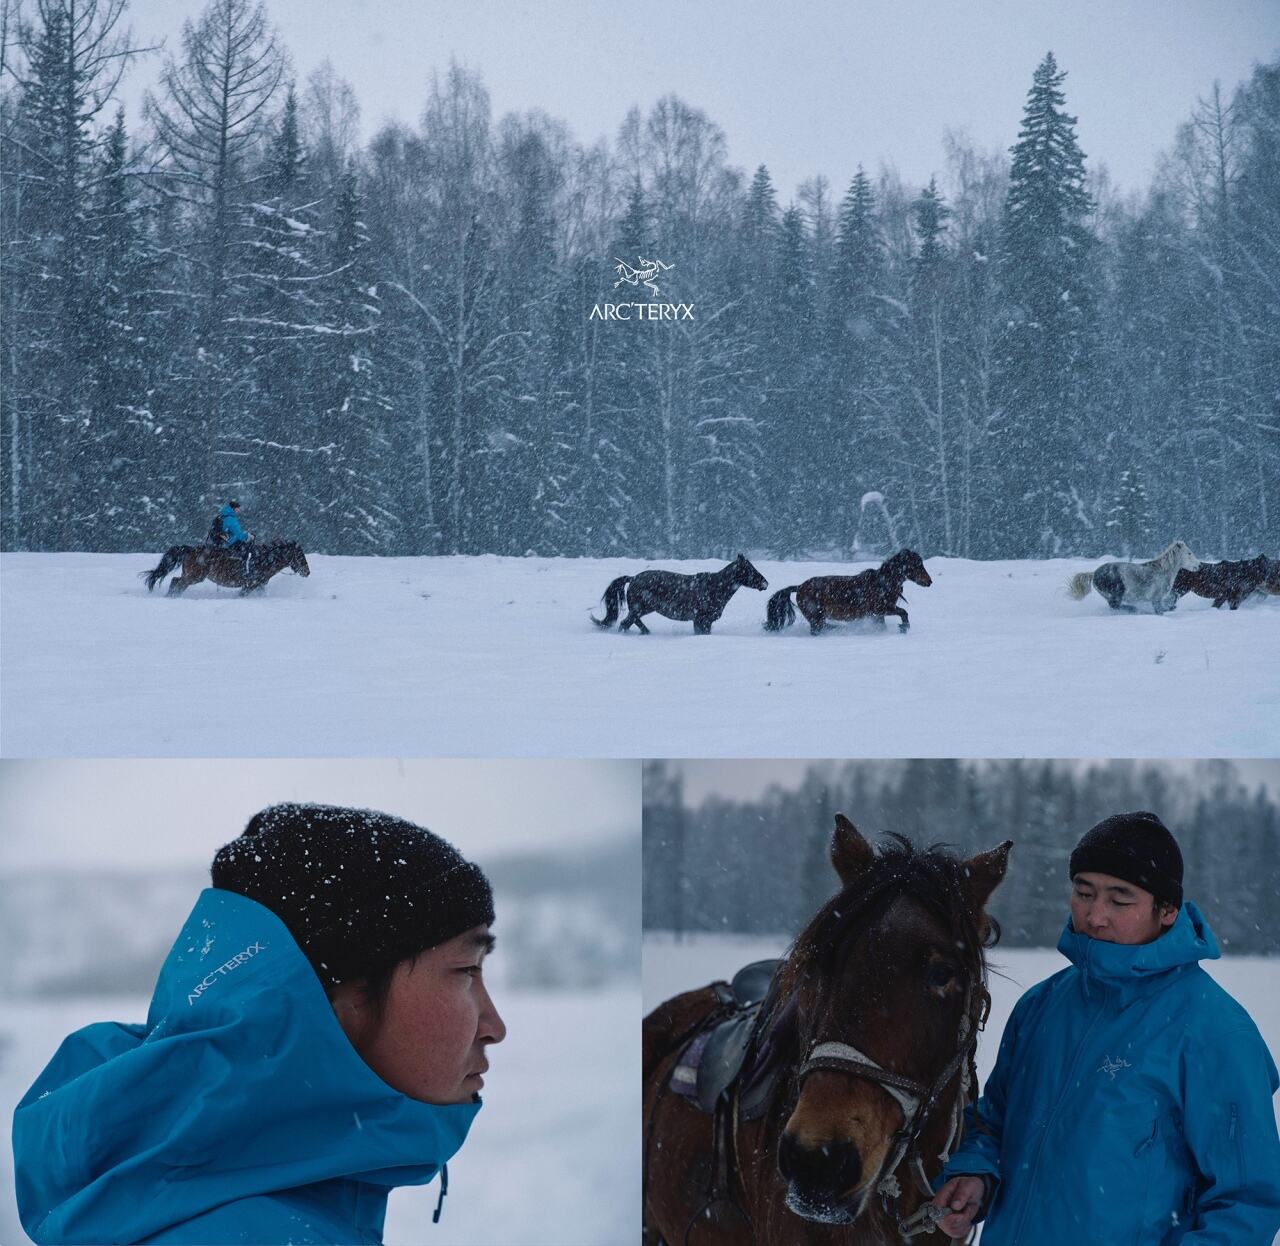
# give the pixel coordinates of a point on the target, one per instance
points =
(222, 970)
(646, 273)
(1113, 1067)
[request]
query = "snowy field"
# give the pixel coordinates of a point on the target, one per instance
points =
(490, 656)
(485, 657)
(671, 967)
(552, 1160)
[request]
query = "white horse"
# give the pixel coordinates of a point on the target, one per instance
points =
(1124, 584)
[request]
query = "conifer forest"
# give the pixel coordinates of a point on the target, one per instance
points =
(387, 347)
(761, 864)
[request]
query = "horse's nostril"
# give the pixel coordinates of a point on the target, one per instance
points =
(833, 1168)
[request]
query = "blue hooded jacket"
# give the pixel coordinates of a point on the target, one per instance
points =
(231, 526)
(240, 1112)
(1130, 1103)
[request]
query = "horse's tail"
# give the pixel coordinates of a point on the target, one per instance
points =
(781, 613)
(1080, 584)
(612, 601)
(172, 557)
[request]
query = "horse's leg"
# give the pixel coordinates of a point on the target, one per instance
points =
(815, 616)
(905, 624)
(176, 586)
(702, 623)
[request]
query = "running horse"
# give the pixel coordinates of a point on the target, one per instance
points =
(701, 597)
(865, 1042)
(872, 593)
(1124, 584)
(225, 567)
(1228, 582)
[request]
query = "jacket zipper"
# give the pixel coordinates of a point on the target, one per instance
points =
(1044, 1129)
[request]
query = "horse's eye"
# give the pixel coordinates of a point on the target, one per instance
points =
(939, 976)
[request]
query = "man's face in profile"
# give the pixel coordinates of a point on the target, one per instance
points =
(437, 1023)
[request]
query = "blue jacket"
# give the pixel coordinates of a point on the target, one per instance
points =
(231, 526)
(1130, 1103)
(239, 1112)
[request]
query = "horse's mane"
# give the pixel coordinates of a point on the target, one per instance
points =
(275, 543)
(901, 558)
(933, 876)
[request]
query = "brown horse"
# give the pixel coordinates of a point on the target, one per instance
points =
(226, 567)
(868, 1031)
(1229, 582)
(844, 597)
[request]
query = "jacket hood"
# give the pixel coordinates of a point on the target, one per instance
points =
(241, 1083)
(1187, 942)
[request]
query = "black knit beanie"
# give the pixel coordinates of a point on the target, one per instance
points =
(358, 890)
(1137, 847)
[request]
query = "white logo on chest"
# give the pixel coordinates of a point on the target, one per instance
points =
(1112, 1067)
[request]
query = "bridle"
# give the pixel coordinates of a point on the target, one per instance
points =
(918, 1103)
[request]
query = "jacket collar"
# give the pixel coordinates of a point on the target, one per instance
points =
(1132, 969)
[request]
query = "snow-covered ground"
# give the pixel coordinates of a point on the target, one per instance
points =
(553, 1159)
(672, 966)
(490, 656)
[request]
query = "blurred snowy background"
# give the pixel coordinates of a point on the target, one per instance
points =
(112, 855)
(741, 846)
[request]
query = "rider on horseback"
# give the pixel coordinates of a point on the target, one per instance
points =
(227, 532)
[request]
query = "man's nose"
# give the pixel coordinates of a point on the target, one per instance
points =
(492, 1027)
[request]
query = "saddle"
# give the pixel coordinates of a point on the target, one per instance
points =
(713, 1059)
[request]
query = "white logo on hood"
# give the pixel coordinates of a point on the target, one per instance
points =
(234, 963)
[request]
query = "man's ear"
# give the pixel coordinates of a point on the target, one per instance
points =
(850, 852)
(349, 1003)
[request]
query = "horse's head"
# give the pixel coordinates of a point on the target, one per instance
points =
(911, 566)
(888, 979)
(747, 575)
(297, 559)
(1181, 555)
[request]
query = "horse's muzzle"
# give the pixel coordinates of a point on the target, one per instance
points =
(822, 1182)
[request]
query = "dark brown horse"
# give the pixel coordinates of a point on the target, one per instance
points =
(226, 567)
(701, 597)
(868, 1031)
(843, 597)
(1229, 582)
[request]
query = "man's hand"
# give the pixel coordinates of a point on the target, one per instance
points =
(962, 1197)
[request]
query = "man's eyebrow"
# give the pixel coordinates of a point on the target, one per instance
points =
(1122, 888)
(485, 941)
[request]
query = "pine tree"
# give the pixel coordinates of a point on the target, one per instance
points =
(74, 53)
(1045, 382)
(857, 333)
(351, 507)
(210, 121)
(1129, 519)
(796, 458)
(126, 499)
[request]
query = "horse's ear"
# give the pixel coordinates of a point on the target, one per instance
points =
(850, 852)
(983, 874)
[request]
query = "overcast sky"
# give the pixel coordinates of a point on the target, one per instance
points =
(178, 813)
(816, 86)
